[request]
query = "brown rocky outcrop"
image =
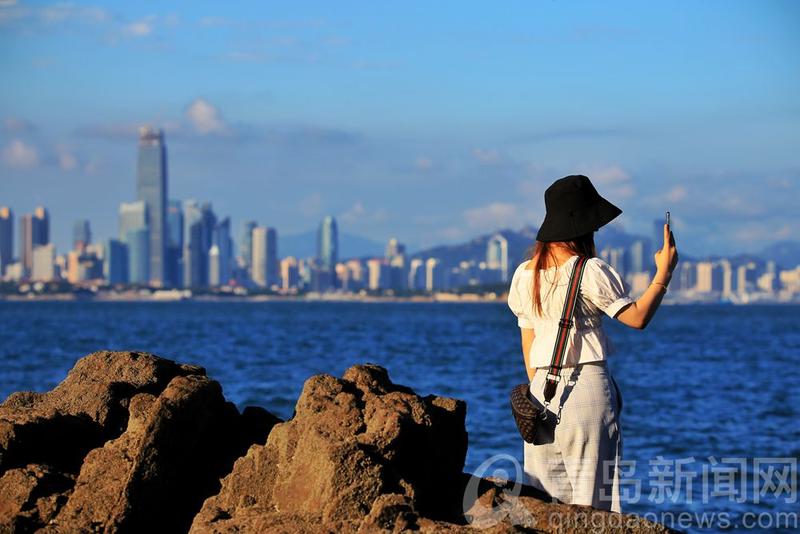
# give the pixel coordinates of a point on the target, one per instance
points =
(130, 442)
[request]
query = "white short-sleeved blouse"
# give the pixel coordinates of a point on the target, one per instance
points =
(602, 290)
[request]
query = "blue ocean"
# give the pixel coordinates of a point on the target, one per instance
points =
(711, 417)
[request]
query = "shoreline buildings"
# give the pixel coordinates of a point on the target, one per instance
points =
(164, 242)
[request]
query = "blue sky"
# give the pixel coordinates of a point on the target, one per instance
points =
(429, 121)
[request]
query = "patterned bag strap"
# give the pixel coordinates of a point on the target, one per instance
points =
(564, 325)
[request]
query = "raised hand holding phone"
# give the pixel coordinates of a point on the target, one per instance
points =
(666, 257)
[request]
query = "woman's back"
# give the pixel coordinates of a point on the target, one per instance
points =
(601, 290)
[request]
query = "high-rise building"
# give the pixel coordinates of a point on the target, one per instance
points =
(115, 267)
(138, 241)
(328, 244)
(416, 274)
(398, 265)
(273, 261)
(265, 265)
(358, 273)
(221, 261)
(214, 267)
(174, 253)
(41, 226)
(434, 274)
(687, 275)
(199, 222)
(81, 235)
(246, 244)
(258, 262)
(379, 273)
(497, 255)
(6, 238)
(290, 273)
(44, 259)
(614, 256)
(34, 231)
(132, 216)
(151, 187)
(636, 256)
(394, 248)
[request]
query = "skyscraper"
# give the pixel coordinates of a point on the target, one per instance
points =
(497, 255)
(174, 271)
(44, 257)
(246, 245)
(258, 262)
(138, 242)
(81, 235)
(265, 264)
(328, 244)
(132, 216)
(199, 222)
(34, 230)
(133, 225)
(151, 187)
(398, 266)
(6, 238)
(115, 267)
(193, 249)
(220, 262)
(273, 262)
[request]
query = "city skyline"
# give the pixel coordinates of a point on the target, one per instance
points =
(409, 122)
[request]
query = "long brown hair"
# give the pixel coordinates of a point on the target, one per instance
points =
(542, 250)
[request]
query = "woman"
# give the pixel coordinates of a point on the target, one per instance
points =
(577, 458)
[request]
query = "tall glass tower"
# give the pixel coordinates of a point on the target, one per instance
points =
(151, 188)
(328, 244)
(6, 238)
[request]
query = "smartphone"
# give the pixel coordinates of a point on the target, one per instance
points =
(667, 218)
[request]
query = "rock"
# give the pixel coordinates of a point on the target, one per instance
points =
(136, 443)
(350, 441)
(30, 496)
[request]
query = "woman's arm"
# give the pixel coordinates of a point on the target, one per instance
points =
(526, 337)
(638, 314)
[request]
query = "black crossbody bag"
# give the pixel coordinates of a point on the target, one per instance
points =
(528, 412)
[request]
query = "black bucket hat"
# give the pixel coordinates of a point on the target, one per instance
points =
(574, 208)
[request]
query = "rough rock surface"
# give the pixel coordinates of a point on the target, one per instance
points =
(130, 442)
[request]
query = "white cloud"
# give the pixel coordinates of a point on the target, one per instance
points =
(494, 216)
(486, 156)
(66, 159)
(360, 214)
(19, 155)
(205, 118)
(452, 233)
(609, 175)
(677, 193)
(140, 28)
(13, 124)
(423, 163)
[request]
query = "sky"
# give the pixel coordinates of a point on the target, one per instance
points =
(432, 122)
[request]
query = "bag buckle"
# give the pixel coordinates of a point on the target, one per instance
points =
(551, 376)
(565, 323)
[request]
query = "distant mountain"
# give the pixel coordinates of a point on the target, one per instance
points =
(304, 245)
(519, 241)
(519, 245)
(785, 254)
